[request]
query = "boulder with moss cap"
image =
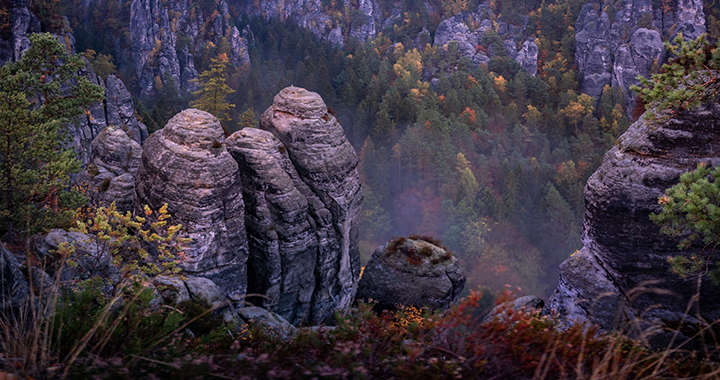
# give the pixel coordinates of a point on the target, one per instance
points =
(412, 272)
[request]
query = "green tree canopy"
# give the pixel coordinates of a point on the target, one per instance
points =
(691, 211)
(214, 90)
(39, 95)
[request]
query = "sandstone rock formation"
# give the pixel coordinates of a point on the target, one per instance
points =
(113, 164)
(117, 109)
(282, 241)
(90, 258)
(187, 166)
(622, 273)
(614, 51)
(21, 23)
(164, 35)
(412, 272)
(303, 200)
(456, 29)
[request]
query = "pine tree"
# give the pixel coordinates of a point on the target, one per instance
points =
(214, 90)
(39, 95)
(690, 78)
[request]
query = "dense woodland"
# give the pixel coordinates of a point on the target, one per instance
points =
(490, 160)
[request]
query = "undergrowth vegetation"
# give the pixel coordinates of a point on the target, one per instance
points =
(129, 337)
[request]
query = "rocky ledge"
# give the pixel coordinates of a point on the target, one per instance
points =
(621, 274)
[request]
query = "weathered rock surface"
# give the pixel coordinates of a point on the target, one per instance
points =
(527, 303)
(14, 288)
(326, 165)
(114, 162)
(615, 51)
(118, 108)
(282, 241)
(624, 255)
(90, 258)
(457, 30)
(21, 23)
(269, 322)
(187, 166)
(164, 36)
(412, 272)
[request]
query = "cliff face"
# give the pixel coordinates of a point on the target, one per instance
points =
(272, 211)
(164, 35)
(456, 29)
(617, 41)
(622, 271)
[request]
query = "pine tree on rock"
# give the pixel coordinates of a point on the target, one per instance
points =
(214, 91)
(39, 95)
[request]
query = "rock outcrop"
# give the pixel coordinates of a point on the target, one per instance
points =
(412, 272)
(118, 108)
(21, 23)
(272, 211)
(622, 272)
(164, 35)
(14, 289)
(113, 164)
(303, 203)
(187, 166)
(457, 30)
(615, 50)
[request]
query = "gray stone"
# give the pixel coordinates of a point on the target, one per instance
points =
(113, 164)
(282, 239)
(269, 322)
(205, 290)
(187, 166)
(528, 57)
(622, 274)
(14, 288)
(412, 273)
(327, 164)
(525, 304)
(172, 289)
(90, 257)
(617, 51)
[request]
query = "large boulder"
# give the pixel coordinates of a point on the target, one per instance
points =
(90, 259)
(304, 206)
(113, 164)
(187, 166)
(412, 272)
(622, 273)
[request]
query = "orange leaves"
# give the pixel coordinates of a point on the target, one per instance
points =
(469, 115)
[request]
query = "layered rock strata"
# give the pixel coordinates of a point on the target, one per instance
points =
(164, 36)
(281, 233)
(622, 274)
(113, 164)
(326, 164)
(412, 272)
(187, 166)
